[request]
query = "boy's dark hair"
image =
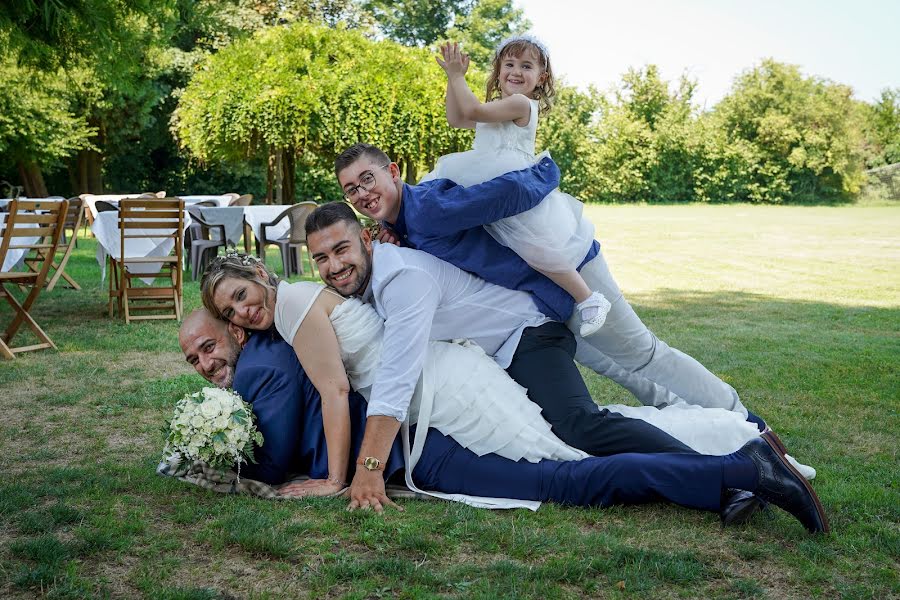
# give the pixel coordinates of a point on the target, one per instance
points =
(327, 215)
(357, 151)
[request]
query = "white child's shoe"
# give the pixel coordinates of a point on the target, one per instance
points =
(593, 313)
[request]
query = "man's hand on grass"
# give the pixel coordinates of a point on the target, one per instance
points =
(367, 491)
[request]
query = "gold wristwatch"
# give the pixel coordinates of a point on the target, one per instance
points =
(370, 463)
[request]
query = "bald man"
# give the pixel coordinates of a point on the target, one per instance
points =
(265, 371)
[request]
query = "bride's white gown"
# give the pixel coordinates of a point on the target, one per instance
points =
(552, 236)
(464, 394)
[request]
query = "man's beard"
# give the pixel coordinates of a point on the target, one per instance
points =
(234, 353)
(363, 273)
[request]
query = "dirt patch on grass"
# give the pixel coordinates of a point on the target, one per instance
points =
(55, 407)
(58, 378)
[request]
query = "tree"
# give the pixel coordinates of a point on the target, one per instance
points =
(82, 47)
(641, 144)
(307, 90)
(350, 13)
(567, 132)
(801, 135)
(52, 34)
(479, 25)
(482, 28)
(882, 128)
(415, 22)
(38, 126)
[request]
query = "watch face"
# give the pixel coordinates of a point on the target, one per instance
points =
(371, 463)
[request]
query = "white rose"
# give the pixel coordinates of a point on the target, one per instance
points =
(221, 396)
(209, 409)
(197, 421)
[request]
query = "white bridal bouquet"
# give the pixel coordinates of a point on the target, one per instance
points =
(214, 426)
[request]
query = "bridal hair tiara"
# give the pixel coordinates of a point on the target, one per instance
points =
(233, 255)
(522, 37)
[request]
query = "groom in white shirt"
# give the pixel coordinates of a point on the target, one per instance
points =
(423, 298)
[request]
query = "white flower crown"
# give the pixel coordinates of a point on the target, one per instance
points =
(245, 259)
(522, 37)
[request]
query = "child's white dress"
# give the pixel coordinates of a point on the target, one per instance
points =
(552, 236)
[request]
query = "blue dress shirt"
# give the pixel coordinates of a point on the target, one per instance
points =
(288, 412)
(445, 219)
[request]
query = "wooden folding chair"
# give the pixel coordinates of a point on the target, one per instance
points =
(155, 219)
(74, 217)
(25, 229)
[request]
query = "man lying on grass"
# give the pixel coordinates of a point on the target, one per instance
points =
(265, 371)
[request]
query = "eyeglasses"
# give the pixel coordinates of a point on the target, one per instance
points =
(366, 183)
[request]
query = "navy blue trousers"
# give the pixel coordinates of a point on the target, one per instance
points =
(687, 479)
(544, 365)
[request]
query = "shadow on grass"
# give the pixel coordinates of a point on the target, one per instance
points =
(823, 374)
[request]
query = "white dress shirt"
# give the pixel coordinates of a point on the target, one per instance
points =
(422, 298)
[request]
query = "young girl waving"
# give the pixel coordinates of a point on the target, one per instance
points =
(552, 237)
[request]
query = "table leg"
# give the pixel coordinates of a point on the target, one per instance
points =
(247, 233)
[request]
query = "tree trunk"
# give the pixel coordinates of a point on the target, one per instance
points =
(270, 177)
(279, 178)
(79, 174)
(95, 172)
(72, 169)
(289, 164)
(32, 180)
(411, 175)
(89, 164)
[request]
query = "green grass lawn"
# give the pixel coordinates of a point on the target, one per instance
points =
(797, 308)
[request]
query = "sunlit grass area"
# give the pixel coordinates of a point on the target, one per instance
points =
(797, 307)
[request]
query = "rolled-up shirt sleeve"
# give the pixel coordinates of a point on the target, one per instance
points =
(409, 300)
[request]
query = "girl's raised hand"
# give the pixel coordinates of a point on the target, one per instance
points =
(455, 62)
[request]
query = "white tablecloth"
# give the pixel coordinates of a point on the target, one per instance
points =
(14, 255)
(232, 217)
(222, 200)
(113, 199)
(106, 230)
(254, 215)
(91, 200)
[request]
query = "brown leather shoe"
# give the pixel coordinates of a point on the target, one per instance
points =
(783, 486)
(779, 445)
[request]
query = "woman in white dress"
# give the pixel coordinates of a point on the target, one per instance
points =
(462, 392)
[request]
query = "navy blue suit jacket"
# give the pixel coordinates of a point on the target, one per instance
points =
(288, 412)
(445, 220)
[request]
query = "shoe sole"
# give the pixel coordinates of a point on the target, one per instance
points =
(776, 441)
(770, 438)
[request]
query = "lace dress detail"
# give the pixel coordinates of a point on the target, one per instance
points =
(552, 236)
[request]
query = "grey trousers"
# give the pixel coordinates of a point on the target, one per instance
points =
(625, 351)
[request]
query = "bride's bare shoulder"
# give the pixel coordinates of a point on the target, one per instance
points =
(328, 299)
